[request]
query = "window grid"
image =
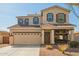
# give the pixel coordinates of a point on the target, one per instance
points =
(61, 18)
(35, 20)
(49, 17)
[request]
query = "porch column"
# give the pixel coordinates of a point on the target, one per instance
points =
(42, 36)
(11, 40)
(52, 37)
(72, 35)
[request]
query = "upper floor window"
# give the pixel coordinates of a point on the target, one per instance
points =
(20, 21)
(35, 20)
(61, 18)
(26, 21)
(49, 17)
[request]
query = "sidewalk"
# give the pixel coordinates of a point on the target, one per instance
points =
(3, 45)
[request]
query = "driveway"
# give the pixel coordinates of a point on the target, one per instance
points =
(20, 50)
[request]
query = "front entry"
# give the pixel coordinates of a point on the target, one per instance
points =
(46, 37)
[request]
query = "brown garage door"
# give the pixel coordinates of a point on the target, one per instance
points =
(27, 38)
(5, 40)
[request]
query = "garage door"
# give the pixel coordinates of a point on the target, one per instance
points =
(27, 38)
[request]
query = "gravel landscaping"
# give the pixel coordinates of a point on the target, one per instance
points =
(50, 52)
(55, 52)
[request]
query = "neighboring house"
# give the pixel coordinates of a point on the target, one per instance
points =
(45, 28)
(76, 35)
(4, 37)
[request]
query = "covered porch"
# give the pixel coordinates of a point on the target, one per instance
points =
(50, 33)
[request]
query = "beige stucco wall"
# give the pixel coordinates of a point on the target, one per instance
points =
(76, 37)
(11, 40)
(54, 11)
(31, 36)
(31, 19)
(23, 30)
(49, 26)
(43, 19)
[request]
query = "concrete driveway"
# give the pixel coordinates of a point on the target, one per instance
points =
(20, 50)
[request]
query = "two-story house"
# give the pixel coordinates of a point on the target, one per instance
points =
(45, 28)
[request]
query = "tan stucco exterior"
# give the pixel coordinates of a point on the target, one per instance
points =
(2, 35)
(55, 10)
(30, 18)
(11, 40)
(35, 35)
(76, 36)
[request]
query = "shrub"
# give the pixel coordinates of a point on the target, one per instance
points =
(77, 44)
(63, 47)
(59, 41)
(49, 46)
(74, 44)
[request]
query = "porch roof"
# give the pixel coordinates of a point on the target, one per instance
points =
(57, 26)
(24, 27)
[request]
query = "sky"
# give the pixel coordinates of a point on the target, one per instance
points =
(9, 11)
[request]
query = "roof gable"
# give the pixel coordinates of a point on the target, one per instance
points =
(56, 7)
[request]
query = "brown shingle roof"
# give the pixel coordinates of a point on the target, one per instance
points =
(24, 26)
(64, 24)
(29, 15)
(39, 25)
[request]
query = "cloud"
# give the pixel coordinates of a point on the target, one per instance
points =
(3, 29)
(6, 11)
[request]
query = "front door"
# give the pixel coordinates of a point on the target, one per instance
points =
(47, 37)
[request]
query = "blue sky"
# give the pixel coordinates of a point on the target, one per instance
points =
(9, 11)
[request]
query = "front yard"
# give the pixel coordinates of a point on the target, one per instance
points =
(50, 52)
(24, 50)
(55, 52)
